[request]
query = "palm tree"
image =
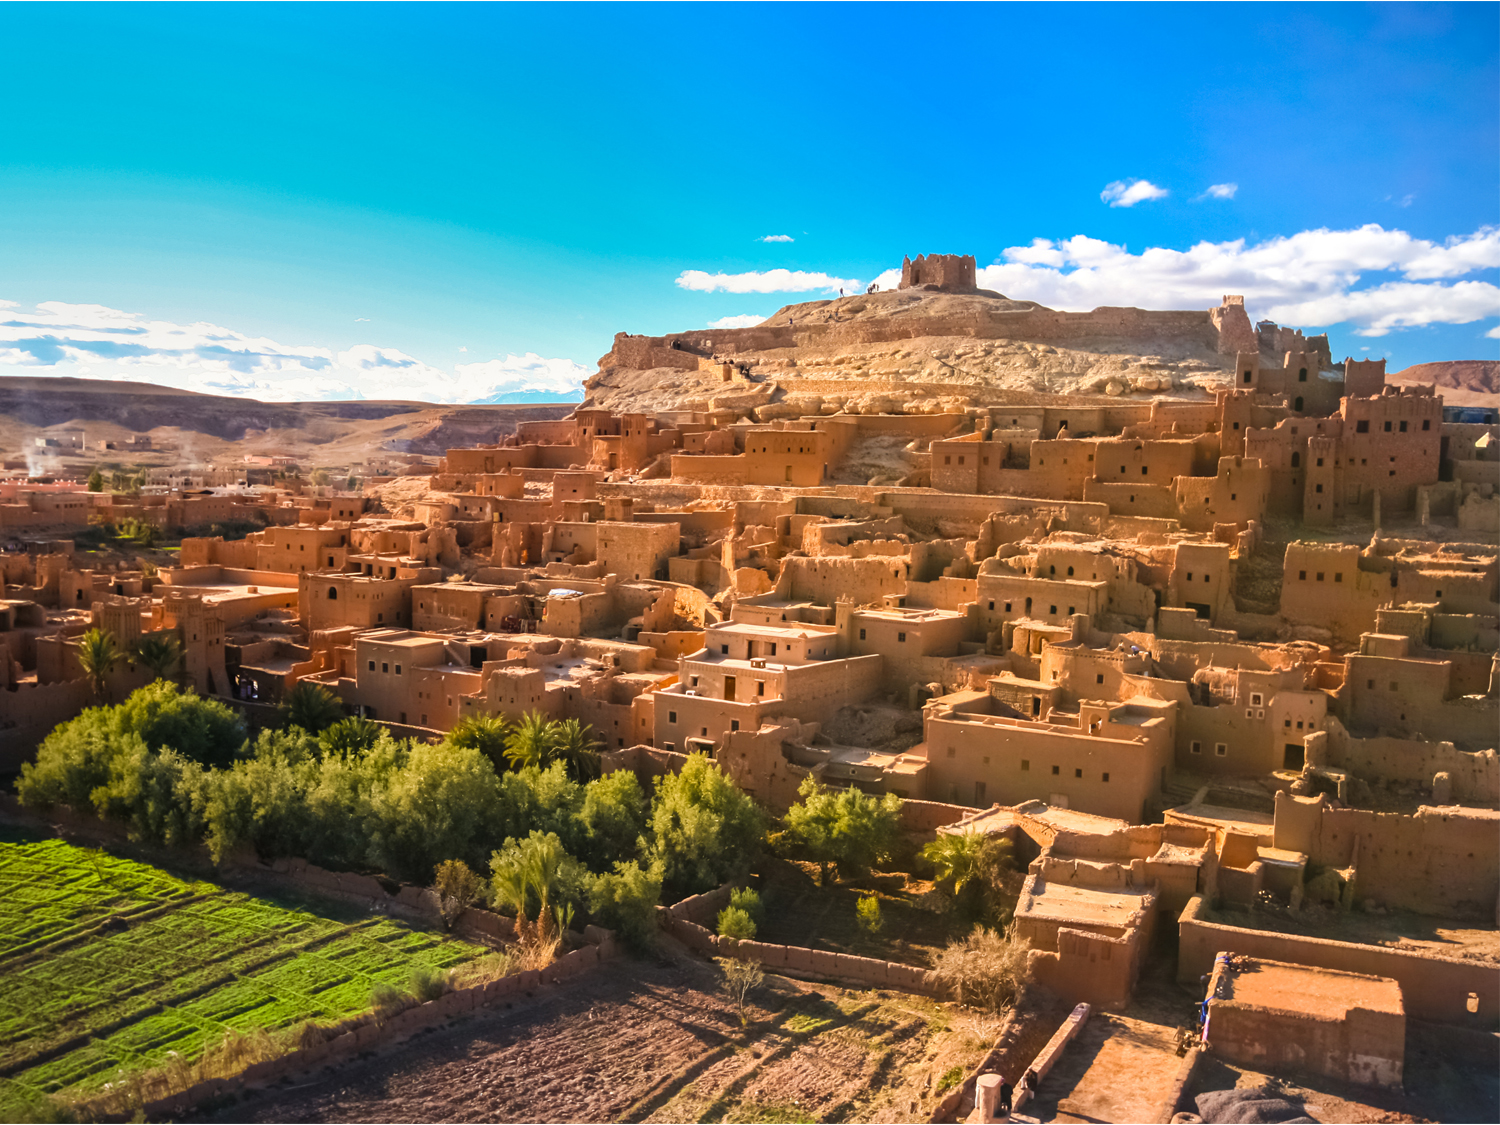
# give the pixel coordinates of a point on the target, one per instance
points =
(574, 743)
(160, 655)
(350, 736)
(98, 653)
(955, 857)
(312, 707)
(532, 742)
(485, 733)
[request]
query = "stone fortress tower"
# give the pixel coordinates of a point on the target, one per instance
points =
(948, 273)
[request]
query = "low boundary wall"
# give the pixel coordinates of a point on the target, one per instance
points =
(1434, 988)
(685, 922)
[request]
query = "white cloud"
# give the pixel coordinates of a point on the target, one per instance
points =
(776, 238)
(105, 343)
(1375, 278)
(764, 281)
(1127, 193)
(1220, 191)
(1493, 333)
(744, 320)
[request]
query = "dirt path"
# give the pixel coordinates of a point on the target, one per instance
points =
(651, 1040)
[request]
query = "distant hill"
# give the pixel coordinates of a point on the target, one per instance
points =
(1461, 382)
(222, 429)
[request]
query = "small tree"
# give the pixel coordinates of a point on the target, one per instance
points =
(160, 655)
(457, 887)
(98, 654)
(626, 900)
(312, 707)
(971, 862)
(868, 913)
(740, 979)
(532, 877)
(96, 480)
(843, 826)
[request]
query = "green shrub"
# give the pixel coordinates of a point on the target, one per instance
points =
(428, 984)
(746, 899)
(703, 828)
(867, 910)
(843, 827)
(625, 900)
(736, 923)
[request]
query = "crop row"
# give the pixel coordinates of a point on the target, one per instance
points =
(179, 964)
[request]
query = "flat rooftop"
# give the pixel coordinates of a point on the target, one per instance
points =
(1327, 993)
(1105, 906)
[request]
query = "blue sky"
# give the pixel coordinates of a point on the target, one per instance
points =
(457, 202)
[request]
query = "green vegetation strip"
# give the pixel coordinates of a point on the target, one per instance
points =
(111, 966)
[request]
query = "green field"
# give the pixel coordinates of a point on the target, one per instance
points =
(107, 966)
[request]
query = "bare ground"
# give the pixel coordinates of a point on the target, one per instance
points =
(654, 1040)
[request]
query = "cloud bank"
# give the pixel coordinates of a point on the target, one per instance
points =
(1376, 279)
(776, 238)
(98, 342)
(744, 320)
(765, 281)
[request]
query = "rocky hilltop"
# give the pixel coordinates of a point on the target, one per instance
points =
(924, 349)
(1461, 382)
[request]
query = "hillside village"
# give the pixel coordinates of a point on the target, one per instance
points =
(1189, 634)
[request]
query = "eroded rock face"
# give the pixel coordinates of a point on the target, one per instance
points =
(920, 348)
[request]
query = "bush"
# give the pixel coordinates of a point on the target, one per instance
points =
(986, 970)
(868, 913)
(736, 923)
(748, 900)
(626, 900)
(428, 984)
(456, 887)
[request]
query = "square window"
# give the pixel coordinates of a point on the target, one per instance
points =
(724, 650)
(760, 687)
(384, 667)
(1099, 679)
(1054, 611)
(992, 605)
(372, 665)
(1255, 699)
(1221, 749)
(1287, 724)
(901, 637)
(1362, 426)
(1106, 777)
(1370, 685)
(1320, 576)
(1056, 770)
(1078, 773)
(734, 724)
(1387, 427)
(1338, 576)
(398, 669)
(1302, 576)
(671, 716)
(1197, 748)
(1007, 607)
(1426, 423)
(1026, 765)
(695, 681)
(862, 632)
(1403, 427)
(1393, 685)
(952, 752)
